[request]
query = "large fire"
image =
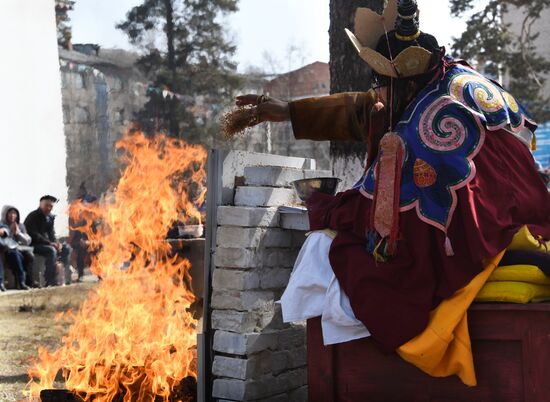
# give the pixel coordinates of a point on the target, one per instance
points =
(134, 338)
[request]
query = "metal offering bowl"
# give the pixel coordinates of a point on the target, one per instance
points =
(306, 187)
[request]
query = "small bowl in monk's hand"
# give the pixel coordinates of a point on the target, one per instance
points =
(306, 187)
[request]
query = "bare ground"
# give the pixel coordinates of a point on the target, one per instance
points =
(26, 322)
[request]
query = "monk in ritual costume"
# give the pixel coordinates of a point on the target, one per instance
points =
(449, 180)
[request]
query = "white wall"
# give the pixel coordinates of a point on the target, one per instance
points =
(32, 142)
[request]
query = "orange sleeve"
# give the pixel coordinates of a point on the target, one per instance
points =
(344, 116)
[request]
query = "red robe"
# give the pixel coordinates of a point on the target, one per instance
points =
(394, 299)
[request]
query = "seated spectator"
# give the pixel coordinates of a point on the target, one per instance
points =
(40, 226)
(7, 247)
(19, 255)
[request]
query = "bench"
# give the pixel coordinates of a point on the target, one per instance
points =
(38, 272)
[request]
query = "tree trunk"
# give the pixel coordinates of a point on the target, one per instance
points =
(173, 121)
(348, 72)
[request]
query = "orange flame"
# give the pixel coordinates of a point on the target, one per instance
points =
(135, 335)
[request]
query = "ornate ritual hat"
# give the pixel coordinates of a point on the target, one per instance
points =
(392, 43)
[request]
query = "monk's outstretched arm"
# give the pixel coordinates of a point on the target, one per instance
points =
(346, 116)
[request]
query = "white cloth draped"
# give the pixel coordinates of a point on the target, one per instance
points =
(314, 291)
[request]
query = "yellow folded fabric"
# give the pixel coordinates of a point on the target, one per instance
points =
(520, 273)
(443, 348)
(513, 292)
(524, 240)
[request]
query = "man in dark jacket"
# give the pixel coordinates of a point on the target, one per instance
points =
(40, 226)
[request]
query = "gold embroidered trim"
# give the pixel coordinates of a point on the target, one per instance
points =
(408, 17)
(407, 38)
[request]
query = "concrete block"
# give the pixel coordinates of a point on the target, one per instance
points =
(276, 398)
(242, 301)
(288, 359)
(236, 321)
(243, 344)
(290, 380)
(272, 278)
(271, 176)
(274, 257)
(243, 322)
(248, 216)
(266, 388)
(291, 338)
(298, 238)
(241, 237)
(229, 388)
(264, 197)
(246, 344)
(298, 395)
(252, 367)
(277, 238)
(270, 386)
(232, 279)
(294, 221)
(236, 258)
(230, 367)
(232, 257)
(234, 162)
(272, 319)
(259, 364)
(310, 174)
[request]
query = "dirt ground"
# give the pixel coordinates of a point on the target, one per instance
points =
(26, 322)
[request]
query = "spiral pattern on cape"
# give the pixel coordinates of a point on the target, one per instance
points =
(444, 134)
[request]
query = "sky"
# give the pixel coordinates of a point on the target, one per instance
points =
(264, 30)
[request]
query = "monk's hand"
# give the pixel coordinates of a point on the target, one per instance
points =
(267, 109)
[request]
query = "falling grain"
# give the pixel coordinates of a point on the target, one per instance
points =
(237, 121)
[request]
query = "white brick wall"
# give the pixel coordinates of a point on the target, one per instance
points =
(256, 355)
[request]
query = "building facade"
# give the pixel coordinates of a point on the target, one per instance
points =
(312, 80)
(102, 90)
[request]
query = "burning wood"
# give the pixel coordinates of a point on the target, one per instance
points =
(185, 391)
(134, 338)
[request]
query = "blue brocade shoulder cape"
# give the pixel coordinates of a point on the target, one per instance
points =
(443, 129)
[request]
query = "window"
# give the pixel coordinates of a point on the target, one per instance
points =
(115, 84)
(66, 114)
(64, 80)
(79, 80)
(81, 115)
(119, 116)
